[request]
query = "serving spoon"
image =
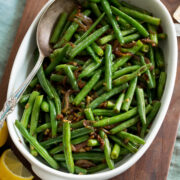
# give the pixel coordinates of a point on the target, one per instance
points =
(43, 33)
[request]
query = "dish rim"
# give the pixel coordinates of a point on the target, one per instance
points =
(137, 155)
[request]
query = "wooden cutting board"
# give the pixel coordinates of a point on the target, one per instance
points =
(155, 163)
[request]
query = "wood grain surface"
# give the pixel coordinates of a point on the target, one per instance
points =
(155, 163)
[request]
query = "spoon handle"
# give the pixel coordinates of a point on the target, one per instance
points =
(11, 102)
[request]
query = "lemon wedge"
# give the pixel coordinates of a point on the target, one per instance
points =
(3, 134)
(12, 169)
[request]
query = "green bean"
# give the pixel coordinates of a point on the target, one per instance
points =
(28, 109)
(159, 58)
(116, 119)
(161, 85)
(119, 103)
(89, 69)
(93, 142)
(131, 37)
(116, 28)
(93, 55)
(36, 145)
(95, 1)
(33, 82)
(91, 52)
(107, 149)
(116, 3)
(68, 23)
(111, 37)
(57, 100)
(61, 67)
(53, 114)
(78, 140)
(34, 120)
(58, 28)
(125, 71)
(133, 145)
(90, 29)
(125, 125)
(150, 80)
(74, 134)
(24, 98)
(66, 26)
(87, 63)
(43, 81)
(117, 74)
(97, 12)
(70, 31)
(43, 127)
(75, 125)
(45, 106)
(123, 151)
(87, 41)
(97, 49)
(121, 61)
(77, 170)
(128, 77)
(89, 114)
(115, 152)
(97, 168)
(150, 117)
(131, 137)
(151, 57)
(56, 58)
(104, 112)
(71, 78)
(35, 115)
(100, 91)
(67, 146)
(128, 123)
(123, 22)
(110, 105)
(129, 95)
(141, 105)
(83, 155)
(153, 33)
(130, 6)
(78, 61)
(57, 77)
(106, 96)
(87, 88)
(141, 16)
(120, 143)
(131, 21)
(145, 48)
(108, 69)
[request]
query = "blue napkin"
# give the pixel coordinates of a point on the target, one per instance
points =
(10, 15)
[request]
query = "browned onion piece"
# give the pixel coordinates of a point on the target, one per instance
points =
(84, 163)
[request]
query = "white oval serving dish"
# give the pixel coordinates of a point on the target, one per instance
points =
(23, 65)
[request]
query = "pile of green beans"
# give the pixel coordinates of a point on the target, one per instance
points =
(95, 97)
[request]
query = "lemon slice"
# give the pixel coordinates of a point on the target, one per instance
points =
(3, 134)
(12, 169)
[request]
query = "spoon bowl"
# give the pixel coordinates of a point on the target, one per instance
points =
(47, 22)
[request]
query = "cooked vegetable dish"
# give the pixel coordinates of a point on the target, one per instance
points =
(95, 97)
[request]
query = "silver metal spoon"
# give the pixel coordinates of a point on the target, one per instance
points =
(43, 34)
